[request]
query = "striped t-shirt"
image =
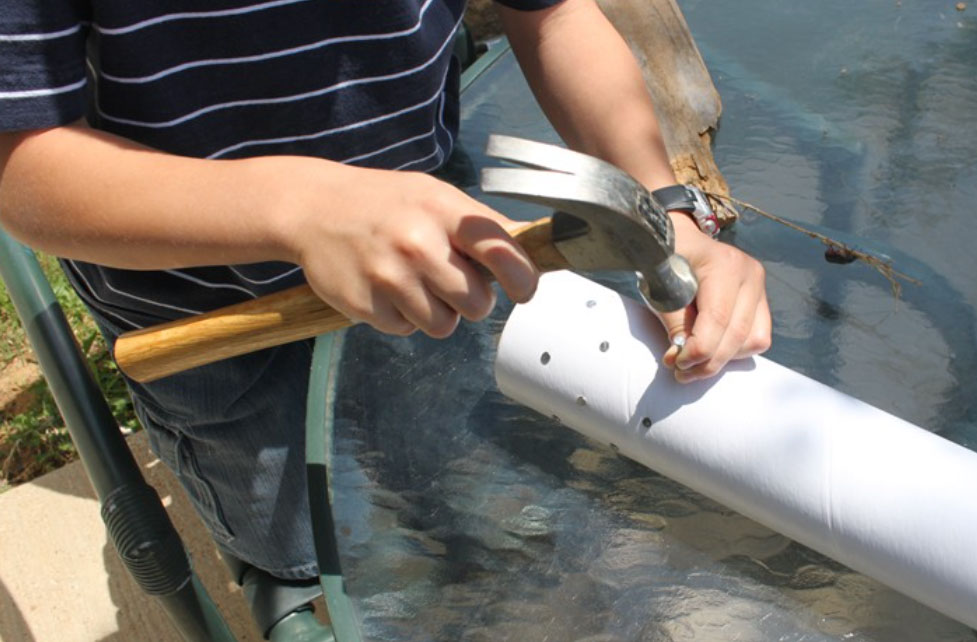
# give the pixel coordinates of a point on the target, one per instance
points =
(367, 82)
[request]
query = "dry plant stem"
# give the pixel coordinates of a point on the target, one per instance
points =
(882, 267)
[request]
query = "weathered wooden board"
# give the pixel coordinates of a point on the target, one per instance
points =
(686, 101)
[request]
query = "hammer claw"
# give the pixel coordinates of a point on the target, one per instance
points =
(530, 153)
(564, 192)
(605, 219)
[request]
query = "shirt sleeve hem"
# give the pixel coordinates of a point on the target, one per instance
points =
(41, 112)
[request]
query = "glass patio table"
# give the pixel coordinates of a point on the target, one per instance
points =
(460, 515)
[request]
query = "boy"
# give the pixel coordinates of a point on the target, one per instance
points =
(236, 147)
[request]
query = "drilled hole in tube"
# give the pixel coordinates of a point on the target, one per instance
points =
(646, 422)
(604, 346)
(581, 401)
(544, 358)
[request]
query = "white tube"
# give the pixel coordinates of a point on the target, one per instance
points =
(864, 487)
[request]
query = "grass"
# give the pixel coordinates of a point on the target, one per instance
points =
(33, 438)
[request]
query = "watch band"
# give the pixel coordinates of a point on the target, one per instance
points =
(689, 199)
(675, 197)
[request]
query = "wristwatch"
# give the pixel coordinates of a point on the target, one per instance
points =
(691, 200)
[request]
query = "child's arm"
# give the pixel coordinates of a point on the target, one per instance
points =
(388, 248)
(591, 88)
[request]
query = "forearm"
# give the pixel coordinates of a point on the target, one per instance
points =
(83, 194)
(590, 87)
(390, 248)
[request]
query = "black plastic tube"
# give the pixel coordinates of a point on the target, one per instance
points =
(140, 529)
(93, 429)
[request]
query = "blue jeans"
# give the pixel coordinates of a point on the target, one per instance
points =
(233, 433)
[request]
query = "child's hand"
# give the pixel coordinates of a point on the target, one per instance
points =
(396, 249)
(730, 318)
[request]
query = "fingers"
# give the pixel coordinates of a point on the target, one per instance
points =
(402, 255)
(462, 287)
(392, 298)
(760, 339)
(482, 237)
(425, 311)
(712, 346)
(428, 287)
(437, 285)
(678, 325)
(448, 290)
(377, 311)
(733, 323)
(451, 285)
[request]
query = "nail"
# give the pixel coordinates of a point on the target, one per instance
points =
(678, 341)
(671, 354)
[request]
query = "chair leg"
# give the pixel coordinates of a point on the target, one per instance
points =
(282, 609)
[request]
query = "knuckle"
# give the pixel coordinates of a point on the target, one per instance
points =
(476, 306)
(413, 245)
(437, 196)
(758, 270)
(393, 323)
(384, 276)
(400, 328)
(693, 352)
(740, 332)
(442, 327)
(710, 368)
(719, 315)
(729, 254)
(760, 343)
(360, 309)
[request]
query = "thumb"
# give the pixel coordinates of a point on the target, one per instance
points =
(678, 325)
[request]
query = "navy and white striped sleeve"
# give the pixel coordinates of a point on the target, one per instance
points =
(529, 5)
(42, 63)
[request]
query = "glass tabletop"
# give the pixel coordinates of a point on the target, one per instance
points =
(463, 516)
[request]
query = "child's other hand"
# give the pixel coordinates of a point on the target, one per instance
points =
(730, 318)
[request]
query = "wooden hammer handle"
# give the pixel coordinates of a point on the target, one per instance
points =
(289, 315)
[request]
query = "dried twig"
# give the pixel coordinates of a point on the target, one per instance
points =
(841, 252)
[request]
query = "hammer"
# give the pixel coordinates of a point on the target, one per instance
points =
(605, 220)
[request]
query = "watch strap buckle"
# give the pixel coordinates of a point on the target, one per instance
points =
(689, 199)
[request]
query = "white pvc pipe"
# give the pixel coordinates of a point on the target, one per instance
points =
(864, 487)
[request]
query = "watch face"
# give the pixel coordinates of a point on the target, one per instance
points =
(704, 215)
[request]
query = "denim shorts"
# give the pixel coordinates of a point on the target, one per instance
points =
(233, 433)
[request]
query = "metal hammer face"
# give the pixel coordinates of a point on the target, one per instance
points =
(604, 219)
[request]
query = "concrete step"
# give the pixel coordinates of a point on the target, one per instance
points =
(61, 580)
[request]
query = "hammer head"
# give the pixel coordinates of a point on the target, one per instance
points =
(604, 220)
